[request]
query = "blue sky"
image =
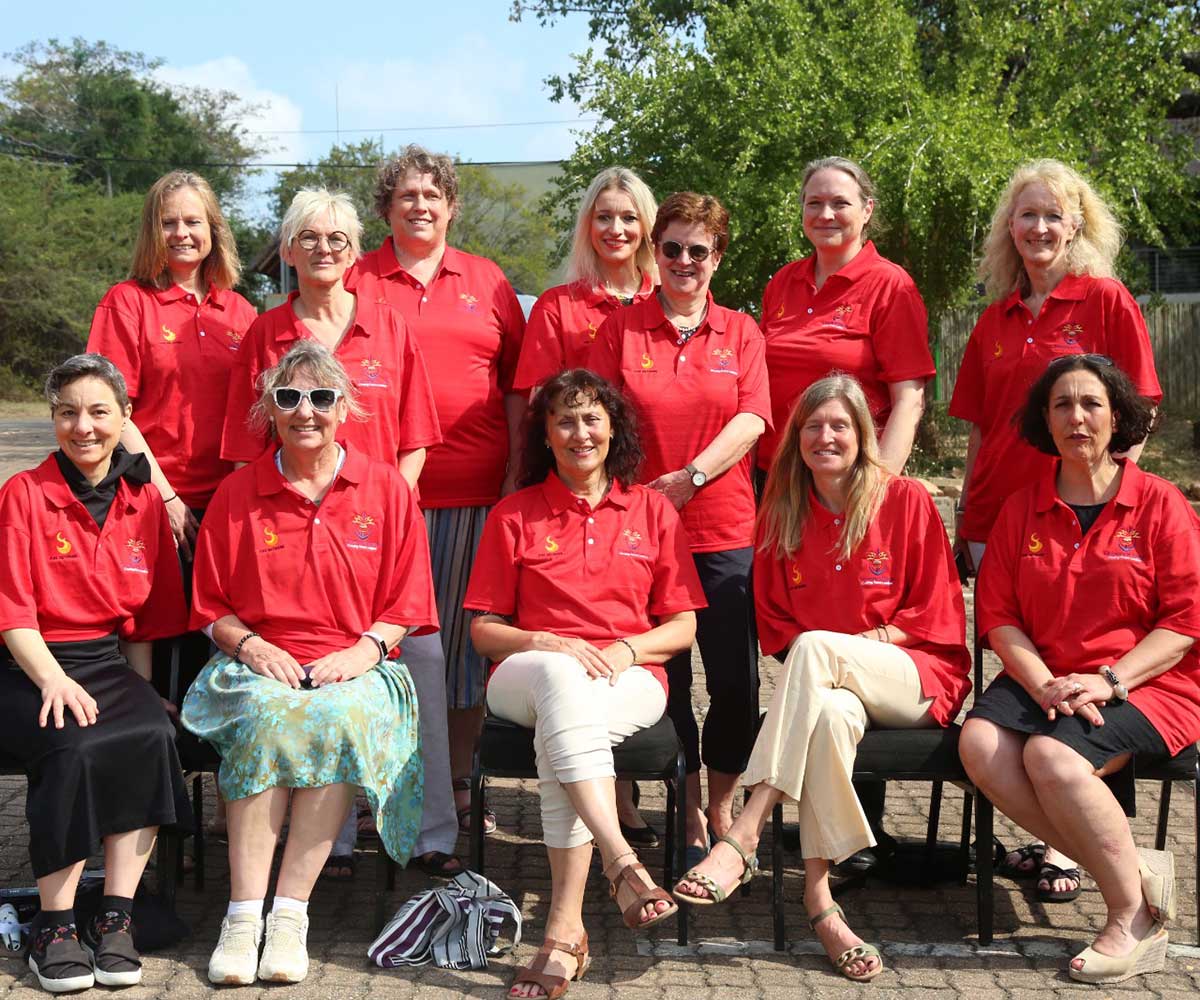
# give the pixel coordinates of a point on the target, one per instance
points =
(367, 66)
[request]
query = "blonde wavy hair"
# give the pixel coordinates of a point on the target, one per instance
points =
(1093, 248)
(786, 503)
(584, 264)
(220, 269)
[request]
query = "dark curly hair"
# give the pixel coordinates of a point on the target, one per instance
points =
(419, 160)
(1134, 413)
(579, 387)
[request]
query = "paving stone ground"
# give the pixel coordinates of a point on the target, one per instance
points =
(927, 935)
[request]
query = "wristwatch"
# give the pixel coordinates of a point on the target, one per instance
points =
(1120, 691)
(379, 641)
(698, 478)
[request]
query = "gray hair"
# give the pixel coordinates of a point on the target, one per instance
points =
(85, 366)
(866, 187)
(311, 358)
(312, 202)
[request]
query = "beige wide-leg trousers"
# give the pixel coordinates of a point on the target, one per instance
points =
(832, 687)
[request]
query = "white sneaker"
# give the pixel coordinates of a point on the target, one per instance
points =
(235, 958)
(285, 953)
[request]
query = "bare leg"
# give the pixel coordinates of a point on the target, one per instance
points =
(317, 816)
(627, 812)
(721, 790)
(834, 933)
(723, 865)
(125, 857)
(254, 826)
(463, 728)
(568, 878)
(697, 819)
(56, 891)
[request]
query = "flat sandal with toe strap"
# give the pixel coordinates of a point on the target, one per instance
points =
(646, 894)
(535, 973)
(858, 953)
(717, 893)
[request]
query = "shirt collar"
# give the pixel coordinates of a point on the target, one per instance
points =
(594, 295)
(389, 266)
(1129, 493)
(215, 297)
(296, 330)
(1072, 288)
(863, 260)
(559, 498)
(269, 480)
(716, 318)
(52, 483)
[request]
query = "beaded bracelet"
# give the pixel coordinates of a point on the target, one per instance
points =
(629, 645)
(237, 650)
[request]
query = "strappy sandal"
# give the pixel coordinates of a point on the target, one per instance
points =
(464, 814)
(858, 953)
(1050, 873)
(1157, 871)
(535, 972)
(717, 893)
(1035, 853)
(646, 894)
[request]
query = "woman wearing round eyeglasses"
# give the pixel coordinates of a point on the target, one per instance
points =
(1048, 263)
(845, 308)
(311, 566)
(696, 374)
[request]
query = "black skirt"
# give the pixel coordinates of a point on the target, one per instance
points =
(85, 783)
(1126, 730)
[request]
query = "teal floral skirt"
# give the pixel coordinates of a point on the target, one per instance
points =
(361, 732)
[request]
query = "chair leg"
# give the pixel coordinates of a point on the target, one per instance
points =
(200, 836)
(168, 853)
(1196, 842)
(1164, 814)
(777, 877)
(385, 881)
(680, 835)
(931, 829)
(477, 787)
(965, 842)
(984, 898)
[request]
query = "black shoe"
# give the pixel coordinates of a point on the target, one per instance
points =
(58, 960)
(107, 938)
(639, 836)
(859, 863)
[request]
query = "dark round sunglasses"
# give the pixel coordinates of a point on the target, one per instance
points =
(697, 251)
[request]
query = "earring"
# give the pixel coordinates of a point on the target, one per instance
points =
(547, 444)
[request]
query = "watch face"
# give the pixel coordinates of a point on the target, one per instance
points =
(699, 478)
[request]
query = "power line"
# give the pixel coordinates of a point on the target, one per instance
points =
(422, 128)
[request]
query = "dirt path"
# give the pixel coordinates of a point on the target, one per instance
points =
(24, 442)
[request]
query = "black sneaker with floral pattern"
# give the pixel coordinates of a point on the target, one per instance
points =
(108, 938)
(58, 960)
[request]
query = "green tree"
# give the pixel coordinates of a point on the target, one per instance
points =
(493, 220)
(100, 109)
(938, 99)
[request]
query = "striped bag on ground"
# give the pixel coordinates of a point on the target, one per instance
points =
(455, 926)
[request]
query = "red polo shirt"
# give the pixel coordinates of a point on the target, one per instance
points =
(553, 564)
(383, 362)
(563, 326)
(901, 574)
(312, 578)
(867, 320)
(1087, 600)
(177, 356)
(684, 397)
(70, 579)
(469, 325)
(1007, 352)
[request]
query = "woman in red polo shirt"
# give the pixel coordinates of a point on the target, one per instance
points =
(846, 309)
(1048, 264)
(695, 373)
(469, 324)
(311, 566)
(584, 587)
(1088, 594)
(854, 578)
(90, 578)
(611, 265)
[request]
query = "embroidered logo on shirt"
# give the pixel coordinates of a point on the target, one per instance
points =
(61, 545)
(1072, 332)
(1125, 537)
(647, 362)
(592, 331)
(364, 524)
(841, 315)
(633, 541)
(999, 349)
(795, 575)
(876, 562)
(168, 334)
(269, 535)
(723, 356)
(235, 338)
(1035, 544)
(373, 370)
(470, 302)
(551, 544)
(136, 556)
(779, 314)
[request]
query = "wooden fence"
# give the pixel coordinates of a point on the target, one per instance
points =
(1174, 335)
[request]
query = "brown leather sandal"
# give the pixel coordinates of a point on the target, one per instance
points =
(536, 974)
(645, 894)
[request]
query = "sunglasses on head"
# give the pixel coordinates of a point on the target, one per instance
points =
(321, 400)
(1103, 360)
(697, 251)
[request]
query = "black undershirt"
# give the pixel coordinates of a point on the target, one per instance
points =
(99, 499)
(1087, 514)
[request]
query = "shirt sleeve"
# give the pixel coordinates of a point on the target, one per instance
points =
(493, 583)
(1128, 340)
(1177, 568)
(900, 335)
(676, 586)
(967, 400)
(116, 333)
(213, 565)
(511, 318)
(542, 350)
(931, 607)
(18, 604)
(238, 442)
(419, 426)
(996, 601)
(777, 626)
(754, 396)
(404, 593)
(165, 612)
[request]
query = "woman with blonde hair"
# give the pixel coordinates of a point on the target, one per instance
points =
(854, 579)
(1048, 263)
(611, 265)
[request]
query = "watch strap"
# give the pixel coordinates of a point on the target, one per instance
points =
(379, 641)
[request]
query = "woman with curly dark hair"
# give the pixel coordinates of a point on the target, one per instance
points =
(583, 587)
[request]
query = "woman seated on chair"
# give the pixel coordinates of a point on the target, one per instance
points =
(584, 586)
(1088, 594)
(854, 578)
(312, 564)
(90, 578)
